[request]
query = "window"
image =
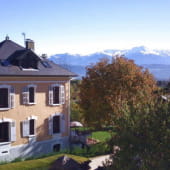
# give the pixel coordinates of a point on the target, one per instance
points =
(29, 61)
(29, 127)
(4, 132)
(32, 127)
(56, 148)
(46, 64)
(7, 130)
(3, 97)
(56, 95)
(56, 91)
(56, 124)
(29, 94)
(7, 97)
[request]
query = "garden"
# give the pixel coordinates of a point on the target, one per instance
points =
(79, 154)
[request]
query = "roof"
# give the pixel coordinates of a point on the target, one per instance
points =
(16, 60)
(8, 47)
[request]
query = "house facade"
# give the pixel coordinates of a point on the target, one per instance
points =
(34, 102)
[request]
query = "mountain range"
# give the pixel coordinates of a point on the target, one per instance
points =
(157, 61)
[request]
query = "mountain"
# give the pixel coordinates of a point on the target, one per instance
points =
(77, 59)
(157, 61)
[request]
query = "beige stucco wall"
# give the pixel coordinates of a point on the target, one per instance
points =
(41, 109)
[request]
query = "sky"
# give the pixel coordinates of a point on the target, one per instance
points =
(86, 26)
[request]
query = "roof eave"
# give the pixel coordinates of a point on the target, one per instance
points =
(38, 75)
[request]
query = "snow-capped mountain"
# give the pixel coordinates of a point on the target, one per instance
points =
(157, 61)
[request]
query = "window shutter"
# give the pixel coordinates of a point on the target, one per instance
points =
(12, 97)
(50, 125)
(13, 131)
(62, 94)
(34, 127)
(50, 95)
(62, 123)
(25, 128)
(25, 94)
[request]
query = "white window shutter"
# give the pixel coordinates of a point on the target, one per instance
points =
(50, 125)
(25, 128)
(25, 95)
(50, 95)
(12, 97)
(13, 131)
(62, 123)
(34, 127)
(62, 94)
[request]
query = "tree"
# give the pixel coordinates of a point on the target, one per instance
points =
(76, 111)
(145, 144)
(114, 90)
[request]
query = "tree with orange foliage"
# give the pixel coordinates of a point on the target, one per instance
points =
(112, 90)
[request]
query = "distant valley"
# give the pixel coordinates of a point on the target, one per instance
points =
(157, 61)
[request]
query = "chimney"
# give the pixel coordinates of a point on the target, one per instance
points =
(29, 44)
(44, 56)
(7, 37)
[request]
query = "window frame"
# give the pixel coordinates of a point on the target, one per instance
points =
(26, 127)
(11, 130)
(26, 94)
(61, 94)
(62, 125)
(56, 96)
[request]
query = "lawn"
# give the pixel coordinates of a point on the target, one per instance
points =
(44, 163)
(38, 164)
(102, 136)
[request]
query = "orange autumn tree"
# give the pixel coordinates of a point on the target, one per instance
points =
(112, 90)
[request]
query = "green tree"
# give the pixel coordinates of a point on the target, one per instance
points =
(113, 90)
(76, 111)
(144, 144)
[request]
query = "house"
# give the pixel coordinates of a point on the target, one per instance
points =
(34, 102)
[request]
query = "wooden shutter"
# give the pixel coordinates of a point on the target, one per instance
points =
(62, 94)
(12, 97)
(50, 95)
(13, 131)
(62, 123)
(25, 128)
(50, 125)
(25, 95)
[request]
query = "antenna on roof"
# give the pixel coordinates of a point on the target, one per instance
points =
(24, 35)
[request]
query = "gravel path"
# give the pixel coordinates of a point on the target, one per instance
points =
(98, 161)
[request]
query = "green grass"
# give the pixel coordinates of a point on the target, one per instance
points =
(37, 164)
(102, 136)
(92, 151)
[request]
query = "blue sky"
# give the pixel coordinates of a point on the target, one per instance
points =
(83, 26)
